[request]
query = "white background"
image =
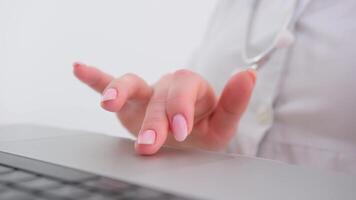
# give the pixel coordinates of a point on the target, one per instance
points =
(39, 40)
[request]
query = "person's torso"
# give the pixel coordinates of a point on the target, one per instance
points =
(303, 109)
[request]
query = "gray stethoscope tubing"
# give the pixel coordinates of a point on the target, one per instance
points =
(257, 61)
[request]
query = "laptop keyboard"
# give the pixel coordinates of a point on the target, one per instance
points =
(28, 179)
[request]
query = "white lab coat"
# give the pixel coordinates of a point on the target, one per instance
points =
(303, 109)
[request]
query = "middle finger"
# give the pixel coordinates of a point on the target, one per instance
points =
(155, 126)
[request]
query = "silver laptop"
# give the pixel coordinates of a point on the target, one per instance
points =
(39, 162)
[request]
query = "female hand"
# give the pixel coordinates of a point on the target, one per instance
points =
(181, 109)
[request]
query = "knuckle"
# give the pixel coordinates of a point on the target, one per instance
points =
(163, 81)
(165, 77)
(184, 73)
(130, 77)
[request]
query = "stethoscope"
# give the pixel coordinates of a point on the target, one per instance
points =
(283, 38)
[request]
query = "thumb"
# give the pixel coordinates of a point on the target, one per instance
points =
(232, 103)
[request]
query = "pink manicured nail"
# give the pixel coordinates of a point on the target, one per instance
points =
(109, 94)
(78, 64)
(146, 137)
(180, 127)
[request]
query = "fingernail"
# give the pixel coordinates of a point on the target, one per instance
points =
(78, 64)
(146, 137)
(109, 94)
(180, 127)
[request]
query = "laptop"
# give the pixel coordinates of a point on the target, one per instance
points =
(41, 162)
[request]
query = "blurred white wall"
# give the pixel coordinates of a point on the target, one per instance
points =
(39, 40)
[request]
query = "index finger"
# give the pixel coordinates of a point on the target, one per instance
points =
(92, 76)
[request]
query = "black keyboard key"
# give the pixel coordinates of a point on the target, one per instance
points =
(12, 194)
(3, 188)
(16, 177)
(108, 185)
(29, 179)
(101, 197)
(170, 197)
(143, 193)
(52, 170)
(4, 169)
(39, 184)
(69, 191)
